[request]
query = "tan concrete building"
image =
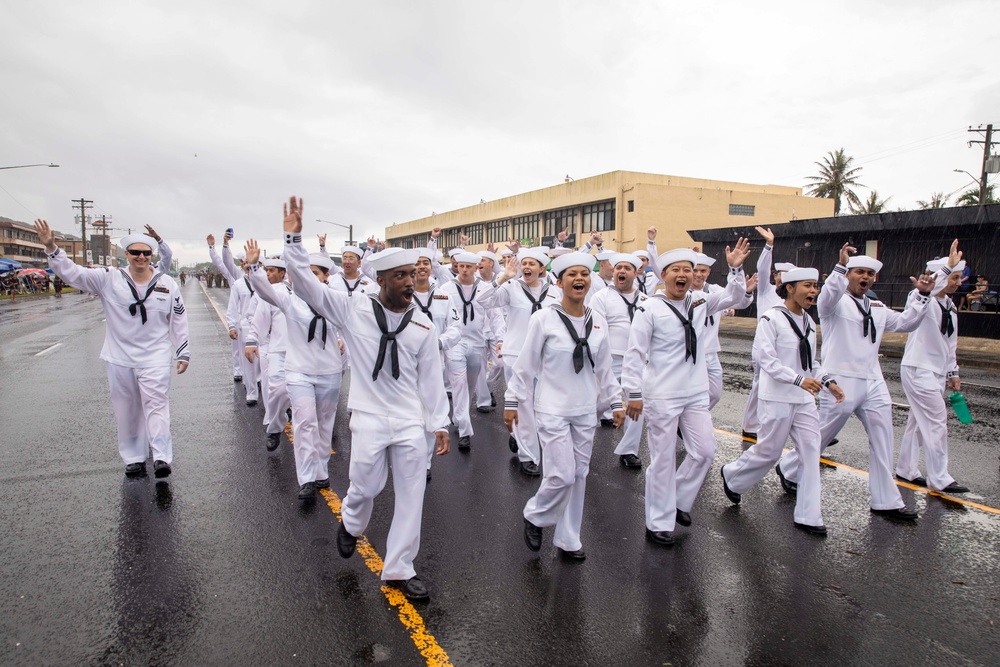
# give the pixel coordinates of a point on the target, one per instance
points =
(621, 205)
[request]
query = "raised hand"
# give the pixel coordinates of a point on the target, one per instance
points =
(464, 240)
(253, 253)
(152, 232)
(491, 247)
(322, 240)
(925, 283)
(293, 215)
(739, 253)
(380, 246)
(45, 235)
(651, 233)
(211, 239)
(846, 251)
(563, 235)
(514, 245)
(767, 234)
(752, 283)
(435, 233)
(596, 238)
(954, 255)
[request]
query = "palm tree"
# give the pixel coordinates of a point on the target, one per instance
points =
(835, 180)
(971, 197)
(937, 200)
(871, 205)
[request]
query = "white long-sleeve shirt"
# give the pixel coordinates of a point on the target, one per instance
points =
(166, 257)
(510, 297)
(781, 372)
(767, 296)
(268, 325)
(612, 305)
(224, 264)
(240, 309)
(654, 366)
(544, 370)
(926, 346)
(438, 308)
(473, 319)
(418, 392)
(847, 351)
(357, 287)
(128, 341)
(713, 320)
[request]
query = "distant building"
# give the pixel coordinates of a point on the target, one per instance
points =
(18, 241)
(621, 205)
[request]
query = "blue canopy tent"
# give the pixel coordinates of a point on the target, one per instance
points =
(9, 265)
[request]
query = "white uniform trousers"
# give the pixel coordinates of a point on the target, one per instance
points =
(496, 369)
(927, 425)
(751, 421)
(869, 400)
(567, 443)
(314, 401)
(249, 369)
(629, 444)
(430, 437)
(377, 443)
(525, 430)
(483, 397)
(263, 360)
(140, 398)
(669, 488)
(464, 363)
(277, 398)
(778, 422)
(237, 353)
(714, 379)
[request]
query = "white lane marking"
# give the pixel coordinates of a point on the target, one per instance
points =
(903, 406)
(48, 349)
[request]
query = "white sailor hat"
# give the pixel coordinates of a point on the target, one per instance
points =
(506, 251)
(466, 257)
(132, 239)
(321, 260)
(607, 255)
(797, 274)
(438, 255)
(864, 262)
(619, 257)
(535, 254)
(704, 259)
(455, 251)
(425, 252)
(487, 254)
(352, 248)
(781, 267)
(241, 255)
(559, 251)
(563, 262)
(674, 256)
(641, 253)
(390, 258)
(936, 265)
(276, 262)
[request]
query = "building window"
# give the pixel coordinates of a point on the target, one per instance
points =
(498, 231)
(556, 221)
(525, 229)
(408, 242)
(599, 217)
(420, 240)
(475, 234)
(450, 238)
(631, 205)
(740, 209)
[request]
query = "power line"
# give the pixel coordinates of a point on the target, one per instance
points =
(33, 214)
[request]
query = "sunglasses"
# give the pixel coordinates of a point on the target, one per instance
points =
(144, 253)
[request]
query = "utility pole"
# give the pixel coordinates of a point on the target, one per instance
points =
(986, 154)
(84, 204)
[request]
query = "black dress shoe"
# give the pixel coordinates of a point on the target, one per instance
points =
(512, 444)
(322, 483)
(680, 436)
(161, 469)
(898, 513)
(237, 378)
(465, 442)
(484, 408)
(609, 423)
(135, 469)
(664, 537)
(289, 413)
(833, 442)
(307, 492)
(791, 488)
(428, 474)
(751, 437)
(575, 556)
(413, 588)
(919, 481)
(493, 400)
(955, 487)
(346, 543)
(251, 403)
(734, 497)
(530, 468)
(683, 518)
(273, 440)
(630, 461)
(532, 536)
(814, 530)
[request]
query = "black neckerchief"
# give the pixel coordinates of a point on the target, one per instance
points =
(426, 310)
(140, 304)
(535, 304)
(947, 326)
(350, 290)
(468, 307)
(249, 287)
(641, 283)
(317, 318)
(710, 317)
(866, 318)
(387, 337)
(631, 305)
(581, 343)
(805, 350)
(690, 335)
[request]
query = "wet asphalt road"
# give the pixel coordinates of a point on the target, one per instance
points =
(221, 565)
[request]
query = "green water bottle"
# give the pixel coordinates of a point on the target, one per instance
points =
(960, 407)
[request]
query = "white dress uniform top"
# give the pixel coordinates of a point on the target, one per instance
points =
(396, 394)
(238, 316)
(237, 350)
(664, 367)
(852, 332)
(268, 333)
(787, 344)
(146, 331)
(566, 385)
(929, 361)
(767, 298)
(619, 310)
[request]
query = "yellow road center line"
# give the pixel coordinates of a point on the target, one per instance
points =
(212, 301)
(905, 485)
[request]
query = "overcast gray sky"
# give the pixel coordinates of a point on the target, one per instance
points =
(195, 116)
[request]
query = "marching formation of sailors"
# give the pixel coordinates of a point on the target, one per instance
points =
(634, 343)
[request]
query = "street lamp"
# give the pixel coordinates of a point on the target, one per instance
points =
(962, 171)
(22, 166)
(349, 228)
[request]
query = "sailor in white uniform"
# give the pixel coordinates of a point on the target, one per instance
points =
(563, 374)
(217, 262)
(853, 325)
(664, 375)
(929, 369)
(239, 313)
(147, 330)
(790, 379)
(351, 278)
(396, 394)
